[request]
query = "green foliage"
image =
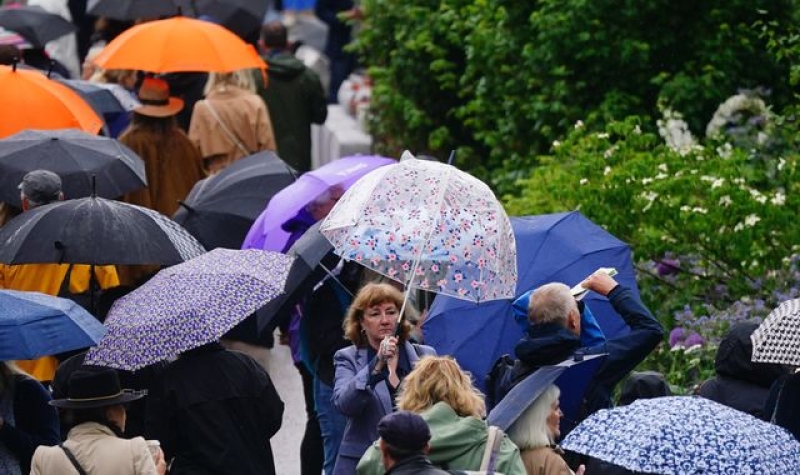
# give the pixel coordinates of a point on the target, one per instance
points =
(499, 80)
(683, 368)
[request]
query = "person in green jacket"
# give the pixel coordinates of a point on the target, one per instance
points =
(294, 96)
(443, 394)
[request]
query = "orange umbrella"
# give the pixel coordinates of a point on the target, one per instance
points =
(179, 44)
(29, 100)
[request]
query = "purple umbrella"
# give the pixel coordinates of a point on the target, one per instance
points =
(266, 232)
(189, 305)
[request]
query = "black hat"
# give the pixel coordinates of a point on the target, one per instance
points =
(405, 431)
(91, 387)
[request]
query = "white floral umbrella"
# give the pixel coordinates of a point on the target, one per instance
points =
(430, 226)
(777, 339)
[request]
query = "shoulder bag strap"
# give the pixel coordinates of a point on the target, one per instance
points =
(228, 133)
(493, 442)
(72, 459)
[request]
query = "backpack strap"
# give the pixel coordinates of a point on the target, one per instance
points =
(74, 460)
(493, 441)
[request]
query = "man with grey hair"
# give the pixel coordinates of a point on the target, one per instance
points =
(39, 187)
(555, 329)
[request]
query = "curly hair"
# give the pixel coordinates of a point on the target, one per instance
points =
(370, 295)
(440, 379)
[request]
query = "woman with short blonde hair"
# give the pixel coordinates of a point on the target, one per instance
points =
(232, 121)
(440, 379)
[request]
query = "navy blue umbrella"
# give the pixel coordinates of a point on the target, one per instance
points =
(562, 247)
(572, 377)
(34, 324)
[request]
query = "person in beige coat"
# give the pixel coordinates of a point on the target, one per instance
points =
(535, 433)
(231, 122)
(94, 446)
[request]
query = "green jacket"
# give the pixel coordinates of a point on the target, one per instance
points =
(457, 443)
(295, 99)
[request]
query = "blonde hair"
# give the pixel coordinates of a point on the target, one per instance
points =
(242, 78)
(551, 303)
(530, 431)
(440, 379)
(369, 295)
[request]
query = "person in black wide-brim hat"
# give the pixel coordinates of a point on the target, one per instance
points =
(98, 403)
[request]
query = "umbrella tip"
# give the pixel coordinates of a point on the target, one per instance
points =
(452, 157)
(14, 62)
(183, 203)
(94, 186)
(50, 68)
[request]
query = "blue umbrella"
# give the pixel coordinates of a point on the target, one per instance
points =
(680, 435)
(562, 247)
(572, 376)
(34, 324)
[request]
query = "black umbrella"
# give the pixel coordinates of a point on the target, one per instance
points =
(242, 17)
(35, 24)
(74, 156)
(220, 209)
(133, 9)
(95, 231)
(314, 260)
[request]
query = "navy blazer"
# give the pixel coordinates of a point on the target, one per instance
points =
(363, 406)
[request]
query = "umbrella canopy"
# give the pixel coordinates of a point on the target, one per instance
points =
(428, 225)
(189, 305)
(40, 103)
(35, 24)
(74, 156)
(95, 231)
(308, 252)
(243, 17)
(777, 339)
(242, 189)
(220, 209)
(684, 435)
(179, 44)
(266, 232)
(104, 98)
(34, 324)
(132, 9)
(561, 247)
(572, 376)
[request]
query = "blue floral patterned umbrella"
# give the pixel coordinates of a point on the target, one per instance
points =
(684, 435)
(189, 305)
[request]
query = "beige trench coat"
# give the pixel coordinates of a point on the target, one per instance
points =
(98, 451)
(243, 128)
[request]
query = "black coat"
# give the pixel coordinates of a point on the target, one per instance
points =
(214, 411)
(415, 465)
(740, 383)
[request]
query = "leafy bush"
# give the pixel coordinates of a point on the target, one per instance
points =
(499, 80)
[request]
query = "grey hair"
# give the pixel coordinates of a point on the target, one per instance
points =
(530, 431)
(551, 303)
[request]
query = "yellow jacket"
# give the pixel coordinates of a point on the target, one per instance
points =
(47, 279)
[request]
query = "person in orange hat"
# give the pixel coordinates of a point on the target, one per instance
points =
(172, 162)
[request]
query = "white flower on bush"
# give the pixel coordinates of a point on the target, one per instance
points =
(751, 220)
(578, 125)
(608, 153)
(781, 163)
(556, 144)
(725, 201)
(779, 199)
(584, 181)
(675, 132)
(725, 150)
(733, 110)
(650, 197)
(757, 196)
(603, 135)
(606, 171)
(663, 167)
